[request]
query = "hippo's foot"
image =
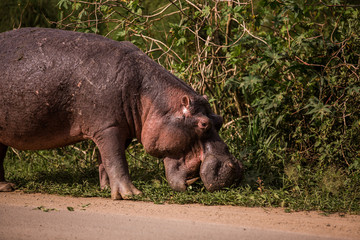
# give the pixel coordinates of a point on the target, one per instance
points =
(124, 191)
(7, 187)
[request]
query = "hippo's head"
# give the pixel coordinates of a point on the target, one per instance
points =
(187, 136)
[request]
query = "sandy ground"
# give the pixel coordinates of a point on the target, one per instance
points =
(95, 218)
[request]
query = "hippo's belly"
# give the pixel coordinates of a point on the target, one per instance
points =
(37, 138)
(37, 127)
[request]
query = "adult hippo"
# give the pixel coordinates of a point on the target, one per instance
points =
(60, 87)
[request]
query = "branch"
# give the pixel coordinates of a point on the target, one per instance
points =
(246, 30)
(308, 64)
(160, 42)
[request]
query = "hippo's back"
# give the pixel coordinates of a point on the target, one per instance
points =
(51, 81)
(44, 46)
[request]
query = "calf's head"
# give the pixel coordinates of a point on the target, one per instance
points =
(186, 135)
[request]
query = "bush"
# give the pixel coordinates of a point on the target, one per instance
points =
(27, 13)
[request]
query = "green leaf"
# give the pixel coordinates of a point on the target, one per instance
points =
(206, 11)
(250, 82)
(181, 41)
(64, 4)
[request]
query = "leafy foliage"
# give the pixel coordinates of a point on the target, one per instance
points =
(27, 13)
(283, 73)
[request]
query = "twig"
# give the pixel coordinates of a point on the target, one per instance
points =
(246, 30)
(160, 42)
(308, 64)
(17, 154)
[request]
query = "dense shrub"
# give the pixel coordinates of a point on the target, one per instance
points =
(27, 13)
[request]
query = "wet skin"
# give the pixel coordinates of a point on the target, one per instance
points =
(59, 87)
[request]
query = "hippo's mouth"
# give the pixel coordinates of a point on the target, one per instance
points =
(214, 173)
(181, 174)
(217, 174)
(209, 160)
(191, 181)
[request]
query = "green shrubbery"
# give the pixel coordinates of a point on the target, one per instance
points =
(284, 74)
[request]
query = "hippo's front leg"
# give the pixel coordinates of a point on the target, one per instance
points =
(112, 150)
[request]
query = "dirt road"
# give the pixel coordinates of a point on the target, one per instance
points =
(41, 216)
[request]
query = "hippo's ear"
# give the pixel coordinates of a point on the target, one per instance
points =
(185, 101)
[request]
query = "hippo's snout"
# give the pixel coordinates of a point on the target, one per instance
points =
(217, 173)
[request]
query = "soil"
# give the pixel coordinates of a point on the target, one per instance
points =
(335, 226)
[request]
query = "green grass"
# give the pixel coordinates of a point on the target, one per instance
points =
(73, 171)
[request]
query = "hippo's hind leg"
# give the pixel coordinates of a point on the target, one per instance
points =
(4, 186)
(103, 176)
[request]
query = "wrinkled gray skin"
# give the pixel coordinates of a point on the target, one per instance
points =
(59, 87)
